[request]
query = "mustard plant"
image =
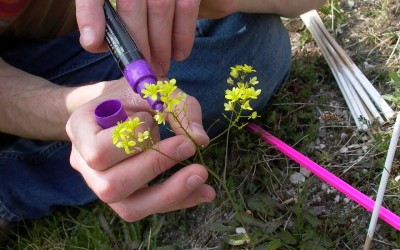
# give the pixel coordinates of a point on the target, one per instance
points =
(238, 97)
(241, 94)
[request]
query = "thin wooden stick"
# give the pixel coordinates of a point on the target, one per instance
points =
(342, 186)
(387, 111)
(352, 76)
(352, 100)
(382, 186)
(351, 79)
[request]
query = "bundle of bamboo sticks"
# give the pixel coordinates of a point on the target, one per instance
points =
(364, 101)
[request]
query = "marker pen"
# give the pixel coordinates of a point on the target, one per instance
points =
(128, 56)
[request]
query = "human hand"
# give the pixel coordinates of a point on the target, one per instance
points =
(163, 29)
(121, 180)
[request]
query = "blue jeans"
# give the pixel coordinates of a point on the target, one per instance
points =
(36, 176)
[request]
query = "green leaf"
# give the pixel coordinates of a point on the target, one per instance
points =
(311, 218)
(250, 220)
(262, 203)
(219, 227)
(287, 237)
(273, 226)
(169, 247)
(237, 239)
(309, 234)
(394, 76)
(307, 245)
(273, 245)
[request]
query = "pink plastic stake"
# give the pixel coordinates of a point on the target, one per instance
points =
(385, 214)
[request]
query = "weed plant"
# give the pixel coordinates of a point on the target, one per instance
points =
(276, 213)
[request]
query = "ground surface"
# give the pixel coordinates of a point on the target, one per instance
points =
(276, 212)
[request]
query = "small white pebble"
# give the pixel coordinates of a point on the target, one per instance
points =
(337, 198)
(324, 186)
(368, 65)
(346, 200)
(297, 178)
(240, 230)
(305, 172)
(322, 146)
(344, 136)
(397, 179)
(343, 150)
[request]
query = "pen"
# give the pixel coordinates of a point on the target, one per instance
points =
(126, 53)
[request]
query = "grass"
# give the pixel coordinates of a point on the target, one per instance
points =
(276, 213)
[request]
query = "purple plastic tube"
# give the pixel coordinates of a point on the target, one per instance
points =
(138, 73)
(109, 113)
(126, 53)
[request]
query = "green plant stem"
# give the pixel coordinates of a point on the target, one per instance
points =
(228, 193)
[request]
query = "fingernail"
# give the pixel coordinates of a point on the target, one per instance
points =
(179, 56)
(198, 130)
(194, 181)
(88, 36)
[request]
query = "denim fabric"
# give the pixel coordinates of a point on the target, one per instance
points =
(36, 177)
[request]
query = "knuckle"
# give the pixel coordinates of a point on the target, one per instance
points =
(72, 161)
(130, 215)
(94, 158)
(170, 198)
(106, 192)
(158, 165)
(192, 101)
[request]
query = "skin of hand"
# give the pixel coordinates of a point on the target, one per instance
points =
(165, 29)
(121, 180)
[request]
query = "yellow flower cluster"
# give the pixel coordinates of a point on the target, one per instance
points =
(242, 91)
(238, 100)
(164, 89)
(125, 136)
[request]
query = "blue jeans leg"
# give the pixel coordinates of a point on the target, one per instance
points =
(257, 40)
(36, 177)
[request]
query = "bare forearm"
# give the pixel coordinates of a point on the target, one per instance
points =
(286, 8)
(33, 107)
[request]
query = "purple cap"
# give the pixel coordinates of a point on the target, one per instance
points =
(109, 113)
(138, 73)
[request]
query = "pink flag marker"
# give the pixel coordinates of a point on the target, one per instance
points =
(366, 202)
